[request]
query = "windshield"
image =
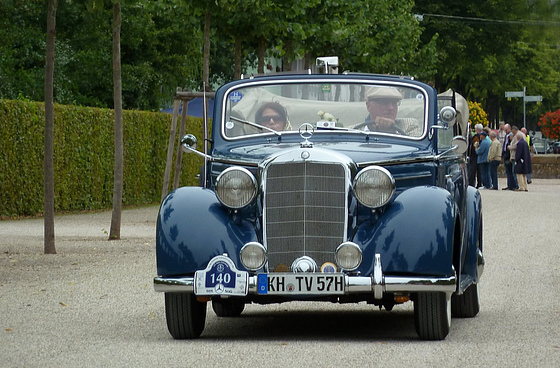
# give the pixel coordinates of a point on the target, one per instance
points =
(389, 109)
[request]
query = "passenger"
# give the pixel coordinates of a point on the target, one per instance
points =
(382, 104)
(274, 116)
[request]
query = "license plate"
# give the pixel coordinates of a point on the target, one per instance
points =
(301, 284)
(221, 278)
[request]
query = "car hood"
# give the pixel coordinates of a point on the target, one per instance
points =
(358, 152)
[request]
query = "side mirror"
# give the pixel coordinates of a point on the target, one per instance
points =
(189, 143)
(461, 143)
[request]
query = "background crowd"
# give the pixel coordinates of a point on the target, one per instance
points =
(488, 149)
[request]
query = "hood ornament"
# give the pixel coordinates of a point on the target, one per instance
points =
(306, 131)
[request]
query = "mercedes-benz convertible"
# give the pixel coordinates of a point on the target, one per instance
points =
(342, 188)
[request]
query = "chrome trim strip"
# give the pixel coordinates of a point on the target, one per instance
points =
(422, 159)
(397, 178)
(174, 284)
(480, 264)
(415, 284)
(354, 285)
(377, 277)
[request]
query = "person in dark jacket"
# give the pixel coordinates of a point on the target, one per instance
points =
(506, 156)
(522, 162)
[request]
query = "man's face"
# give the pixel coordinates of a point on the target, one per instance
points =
(271, 119)
(383, 107)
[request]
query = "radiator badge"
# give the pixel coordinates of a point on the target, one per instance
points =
(328, 267)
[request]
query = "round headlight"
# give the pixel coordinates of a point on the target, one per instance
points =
(253, 256)
(348, 256)
(236, 187)
(374, 186)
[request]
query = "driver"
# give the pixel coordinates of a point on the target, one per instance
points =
(382, 103)
(274, 116)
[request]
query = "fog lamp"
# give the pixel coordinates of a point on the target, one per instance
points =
(253, 256)
(348, 256)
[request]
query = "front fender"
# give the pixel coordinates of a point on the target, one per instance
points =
(470, 269)
(192, 228)
(414, 235)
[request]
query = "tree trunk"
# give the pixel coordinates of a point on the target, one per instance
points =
(49, 244)
(206, 51)
(261, 51)
(287, 59)
(237, 58)
(115, 232)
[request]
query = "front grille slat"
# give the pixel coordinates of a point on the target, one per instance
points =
(305, 211)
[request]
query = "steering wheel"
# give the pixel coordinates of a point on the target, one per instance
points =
(361, 125)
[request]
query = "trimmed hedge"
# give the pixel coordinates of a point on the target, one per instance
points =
(84, 157)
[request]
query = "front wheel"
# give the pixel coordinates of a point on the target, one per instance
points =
(185, 315)
(432, 315)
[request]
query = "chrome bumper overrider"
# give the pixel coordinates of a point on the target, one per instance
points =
(377, 284)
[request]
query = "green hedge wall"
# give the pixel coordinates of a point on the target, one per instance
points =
(84, 157)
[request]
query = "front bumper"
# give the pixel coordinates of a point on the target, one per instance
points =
(377, 284)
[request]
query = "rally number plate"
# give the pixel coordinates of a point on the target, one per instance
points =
(302, 284)
(221, 278)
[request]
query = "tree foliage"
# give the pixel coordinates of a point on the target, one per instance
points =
(479, 48)
(485, 48)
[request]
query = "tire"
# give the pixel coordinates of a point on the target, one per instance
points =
(185, 315)
(466, 305)
(432, 315)
(228, 307)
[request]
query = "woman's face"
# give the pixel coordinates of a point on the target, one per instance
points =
(271, 119)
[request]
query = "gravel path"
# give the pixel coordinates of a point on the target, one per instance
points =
(93, 303)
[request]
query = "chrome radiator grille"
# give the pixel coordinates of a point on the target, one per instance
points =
(305, 211)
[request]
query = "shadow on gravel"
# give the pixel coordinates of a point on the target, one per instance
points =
(314, 325)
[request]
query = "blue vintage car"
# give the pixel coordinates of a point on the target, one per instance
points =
(325, 187)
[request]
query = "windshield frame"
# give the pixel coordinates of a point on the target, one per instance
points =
(320, 79)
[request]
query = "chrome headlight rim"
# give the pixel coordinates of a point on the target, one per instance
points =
(354, 248)
(245, 198)
(253, 246)
(382, 196)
